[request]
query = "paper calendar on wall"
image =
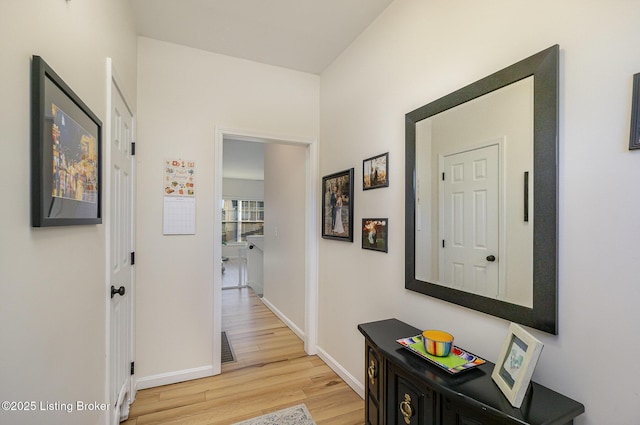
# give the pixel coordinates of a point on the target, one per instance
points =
(179, 178)
(179, 217)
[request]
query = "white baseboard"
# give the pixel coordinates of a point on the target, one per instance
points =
(296, 330)
(173, 377)
(342, 372)
(204, 371)
(357, 386)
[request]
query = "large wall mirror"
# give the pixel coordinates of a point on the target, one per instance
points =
(481, 194)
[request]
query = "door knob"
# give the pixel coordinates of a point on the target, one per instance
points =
(119, 291)
(491, 258)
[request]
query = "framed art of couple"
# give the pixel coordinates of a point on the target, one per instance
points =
(337, 206)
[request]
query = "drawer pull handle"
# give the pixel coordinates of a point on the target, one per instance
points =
(372, 372)
(406, 410)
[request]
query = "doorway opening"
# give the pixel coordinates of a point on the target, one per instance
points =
(243, 210)
(278, 225)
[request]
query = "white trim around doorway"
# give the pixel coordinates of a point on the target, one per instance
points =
(311, 235)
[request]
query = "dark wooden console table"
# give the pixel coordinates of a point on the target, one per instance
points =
(403, 389)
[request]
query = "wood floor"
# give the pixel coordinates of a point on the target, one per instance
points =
(271, 372)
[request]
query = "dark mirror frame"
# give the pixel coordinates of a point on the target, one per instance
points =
(544, 67)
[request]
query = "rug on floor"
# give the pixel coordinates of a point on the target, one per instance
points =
(227, 354)
(296, 415)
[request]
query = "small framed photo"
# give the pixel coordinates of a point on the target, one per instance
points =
(337, 206)
(66, 153)
(374, 234)
(514, 368)
(634, 140)
(375, 172)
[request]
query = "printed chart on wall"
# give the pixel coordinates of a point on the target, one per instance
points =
(179, 216)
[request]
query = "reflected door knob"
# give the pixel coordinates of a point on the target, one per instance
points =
(491, 258)
(119, 291)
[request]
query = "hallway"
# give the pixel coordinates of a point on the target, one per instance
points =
(271, 372)
(233, 275)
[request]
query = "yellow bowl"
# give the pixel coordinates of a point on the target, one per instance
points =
(437, 343)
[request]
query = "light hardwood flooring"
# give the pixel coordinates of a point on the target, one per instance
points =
(271, 372)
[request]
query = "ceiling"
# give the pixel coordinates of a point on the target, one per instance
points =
(242, 159)
(304, 35)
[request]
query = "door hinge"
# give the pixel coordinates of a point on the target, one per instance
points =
(133, 258)
(133, 148)
(443, 243)
(442, 176)
(133, 368)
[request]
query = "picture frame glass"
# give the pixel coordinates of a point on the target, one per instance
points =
(375, 234)
(516, 363)
(513, 362)
(375, 172)
(66, 154)
(337, 206)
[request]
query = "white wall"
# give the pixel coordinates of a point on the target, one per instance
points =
(418, 51)
(183, 95)
(285, 230)
(252, 190)
(52, 280)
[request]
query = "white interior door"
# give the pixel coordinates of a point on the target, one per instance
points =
(121, 248)
(470, 214)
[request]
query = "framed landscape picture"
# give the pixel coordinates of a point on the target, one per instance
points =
(375, 234)
(375, 172)
(66, 143)
(337, 206)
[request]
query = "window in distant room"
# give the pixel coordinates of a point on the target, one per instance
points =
(241, 219)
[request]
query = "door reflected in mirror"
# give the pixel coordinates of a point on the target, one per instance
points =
(481, 196)
(472, 231)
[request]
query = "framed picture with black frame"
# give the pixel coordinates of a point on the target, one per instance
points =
(375, 233)
(375, 172)
(337, 206)
(516, 362)
(634, 139)
(66, 156)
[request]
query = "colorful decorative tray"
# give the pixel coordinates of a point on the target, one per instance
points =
(457, 361)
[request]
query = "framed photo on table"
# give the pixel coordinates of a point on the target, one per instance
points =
(66, 156)
(514, 368)
(337, 206)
